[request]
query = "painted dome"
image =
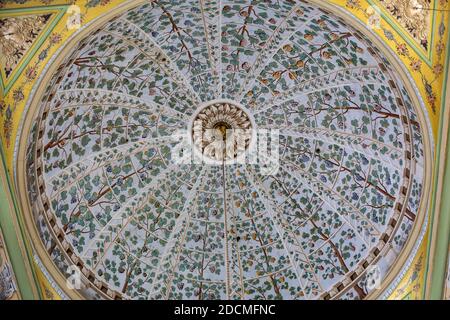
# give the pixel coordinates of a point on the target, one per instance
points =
(110, 196)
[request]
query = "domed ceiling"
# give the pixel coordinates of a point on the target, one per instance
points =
(109, 195)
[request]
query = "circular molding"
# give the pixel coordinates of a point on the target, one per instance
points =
(230, 116)
(393, 274)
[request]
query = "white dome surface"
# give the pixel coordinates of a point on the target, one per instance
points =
(143, 226)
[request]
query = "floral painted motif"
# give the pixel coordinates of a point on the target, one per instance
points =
(415, 19)
(8, 285)
(17, 34)
(413, 15)
(30, 74)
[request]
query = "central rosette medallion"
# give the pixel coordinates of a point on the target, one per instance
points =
(222, 130)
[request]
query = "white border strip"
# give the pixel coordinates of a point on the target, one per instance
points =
(49, 278)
